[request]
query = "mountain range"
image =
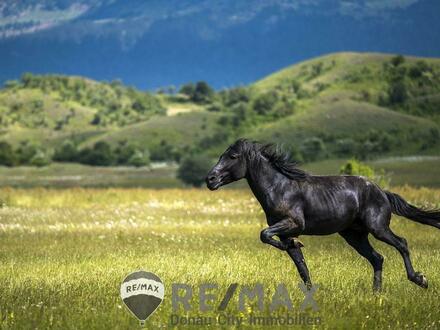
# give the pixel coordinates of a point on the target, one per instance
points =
(151, 44)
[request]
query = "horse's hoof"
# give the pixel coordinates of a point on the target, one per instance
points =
(377, 288)
(421, 280)
(424, 283)
(298, 243)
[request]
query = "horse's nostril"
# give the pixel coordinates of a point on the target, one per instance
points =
(211, 178)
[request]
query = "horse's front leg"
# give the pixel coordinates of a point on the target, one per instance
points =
(297, 256)
(285, 228)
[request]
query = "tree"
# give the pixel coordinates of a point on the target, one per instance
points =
(25, 152)
(312, 149)
(100, 155)
(164, 152)
(96, 119)
(345, 147)
(7, 155)
(67, 152)
(40, 159)
(418, 69)
(194, 169)
(264, 103)
(187, 89)
(397, 92)
(397, 60)
(203, 93)
(131, 154)
(139, 159)
(27, 79)
(235, 95)
(317, 69)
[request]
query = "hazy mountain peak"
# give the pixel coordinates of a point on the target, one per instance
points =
(25, 17)
(227, 42)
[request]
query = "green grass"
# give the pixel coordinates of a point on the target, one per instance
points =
(415, 171)
(64, 253)
(335, 67)
(76, 175)
(180, 129)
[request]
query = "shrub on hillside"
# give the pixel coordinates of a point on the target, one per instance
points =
(354, 167)
(264, 103)
(67, 152)
(235, 95)
(193, 170)
(100, 155)
(40, 159)
(397, 91)
(7, 154)
(345, 147)
(131, 154)
(397, 60)
(187, 89)
(201, 92)
(164, 152)
(139, 158)
(313, 149)
(25, 152)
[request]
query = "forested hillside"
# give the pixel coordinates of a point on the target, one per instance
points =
(340, 105)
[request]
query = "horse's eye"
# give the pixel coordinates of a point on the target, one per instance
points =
(233, 156)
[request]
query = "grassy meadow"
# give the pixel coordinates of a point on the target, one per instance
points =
(64, 253)
(69, 232)
(417, 171)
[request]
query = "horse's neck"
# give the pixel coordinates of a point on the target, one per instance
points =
(262, 180)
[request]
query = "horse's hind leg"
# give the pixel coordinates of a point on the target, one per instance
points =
(359, 241)
(386, 235)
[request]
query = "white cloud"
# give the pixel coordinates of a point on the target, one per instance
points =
(362, 8)
(388, 4)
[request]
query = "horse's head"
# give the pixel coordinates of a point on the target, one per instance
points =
(230, 167)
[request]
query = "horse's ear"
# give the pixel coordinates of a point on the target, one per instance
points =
(241, 141)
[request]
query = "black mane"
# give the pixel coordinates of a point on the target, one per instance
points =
(280, 160)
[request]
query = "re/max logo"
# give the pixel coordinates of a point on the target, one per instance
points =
(142, 287)
(183, 297)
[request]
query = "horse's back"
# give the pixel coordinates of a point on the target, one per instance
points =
(334, 203)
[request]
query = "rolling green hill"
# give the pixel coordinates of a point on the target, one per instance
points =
(379, 103)
(183, 129)
(339, 105)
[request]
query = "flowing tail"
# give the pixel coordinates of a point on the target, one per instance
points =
(401, 207)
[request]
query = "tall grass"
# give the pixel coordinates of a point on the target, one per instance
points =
(64, 253)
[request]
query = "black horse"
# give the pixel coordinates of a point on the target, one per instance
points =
(297, 203)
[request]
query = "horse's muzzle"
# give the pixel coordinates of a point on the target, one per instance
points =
(213, 182)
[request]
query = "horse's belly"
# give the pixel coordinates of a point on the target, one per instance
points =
(323, 221)
(325, 226)
(329, 213)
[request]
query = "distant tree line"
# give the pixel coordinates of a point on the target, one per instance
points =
(100, 154)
